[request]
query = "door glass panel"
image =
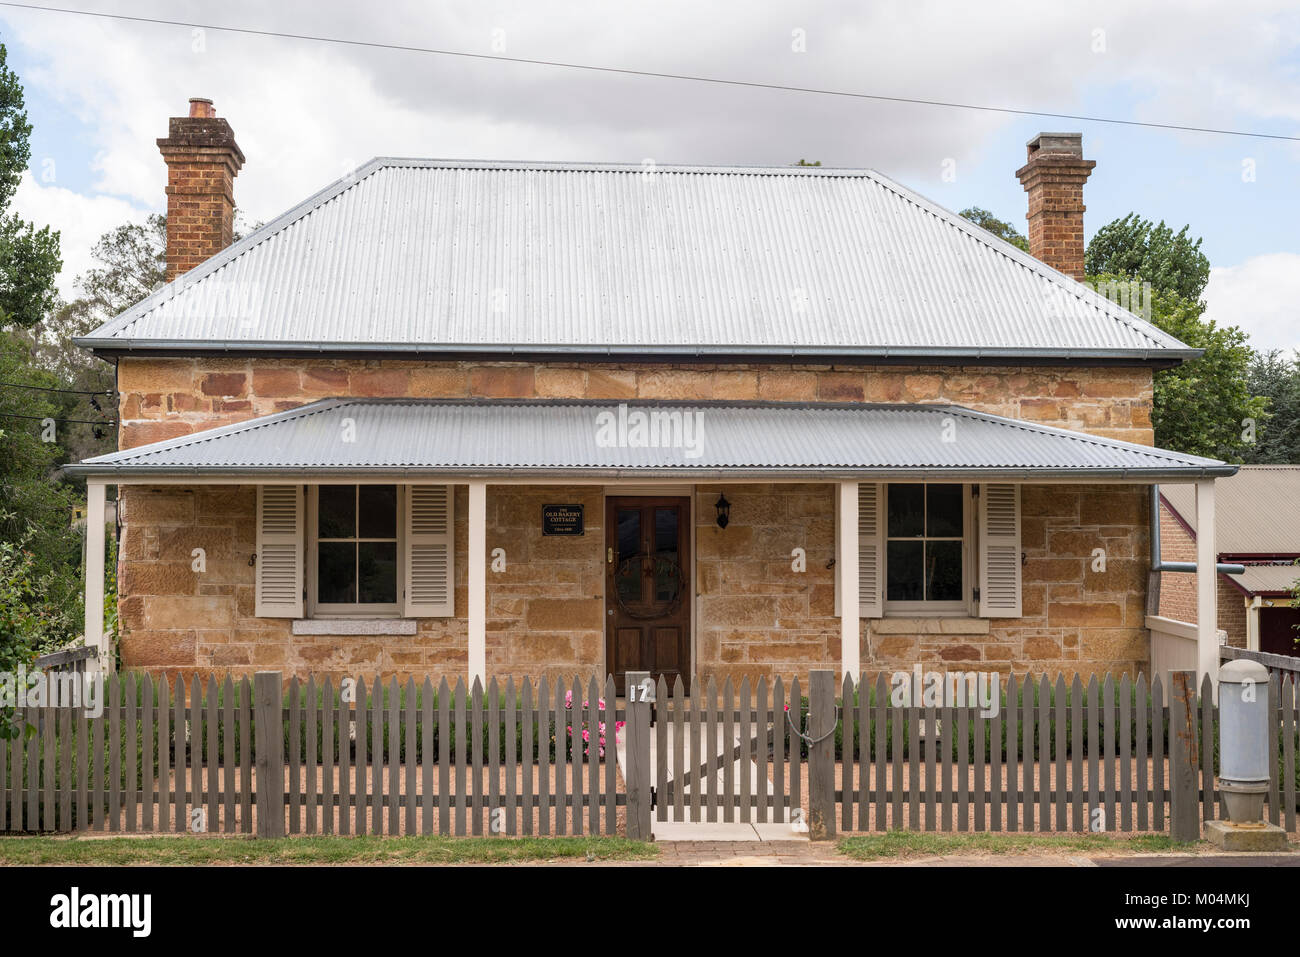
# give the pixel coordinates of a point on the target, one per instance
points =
(628, 569)
(667, 567)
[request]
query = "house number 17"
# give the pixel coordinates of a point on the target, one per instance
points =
(645, 691)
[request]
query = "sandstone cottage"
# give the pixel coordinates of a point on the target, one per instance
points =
(473, 418)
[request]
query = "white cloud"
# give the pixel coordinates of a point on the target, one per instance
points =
(1262, 296)
(304, 112)
(80, 220)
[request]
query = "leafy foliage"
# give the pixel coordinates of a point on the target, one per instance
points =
(1003, 230)
(1203, 406)
(1276, 378)
(29, 257)
(40, 550)
(1134, 248)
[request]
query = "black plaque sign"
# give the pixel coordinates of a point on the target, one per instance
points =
(561, 519)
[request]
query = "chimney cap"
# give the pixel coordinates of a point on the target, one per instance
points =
(1070, 144)
(201, 106)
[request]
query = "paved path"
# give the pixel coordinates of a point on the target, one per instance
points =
(805, 853)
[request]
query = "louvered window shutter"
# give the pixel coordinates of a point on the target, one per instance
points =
(999, 551)
(871, 548)
(430, 585)
(279, 569)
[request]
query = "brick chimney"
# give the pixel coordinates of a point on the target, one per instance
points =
(1054, 178)
(202, 163)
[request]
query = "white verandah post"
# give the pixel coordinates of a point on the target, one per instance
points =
(477, 612)
(846, 564)
(1207, 612)
(94, 594)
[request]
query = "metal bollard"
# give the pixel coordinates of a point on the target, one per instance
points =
(1243, 739)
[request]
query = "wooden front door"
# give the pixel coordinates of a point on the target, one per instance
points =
(648, 588)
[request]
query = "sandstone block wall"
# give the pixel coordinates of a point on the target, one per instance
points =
(167, 398)
(546, 612)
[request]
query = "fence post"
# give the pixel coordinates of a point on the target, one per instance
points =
(268, 749)
(637, 771)
(1184, 814)
(821, 755)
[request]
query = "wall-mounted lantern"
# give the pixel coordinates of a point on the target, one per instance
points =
(724, 511)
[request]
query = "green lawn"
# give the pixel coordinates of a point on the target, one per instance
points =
(319, 850)
(904, 844)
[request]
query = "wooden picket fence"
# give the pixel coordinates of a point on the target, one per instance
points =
(1056, 756)
(261, 757)
(401, 759)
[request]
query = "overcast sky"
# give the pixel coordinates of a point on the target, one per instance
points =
(99, 94)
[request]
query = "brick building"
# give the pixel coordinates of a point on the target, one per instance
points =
(1257, 526)
(509, 418)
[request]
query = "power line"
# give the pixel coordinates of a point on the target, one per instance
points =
(722, 81)
(40, 388)
(55, 418)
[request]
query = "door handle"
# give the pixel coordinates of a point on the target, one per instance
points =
(609, 556)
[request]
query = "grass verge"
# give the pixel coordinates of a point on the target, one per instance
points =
(905, 844)
(318, 850)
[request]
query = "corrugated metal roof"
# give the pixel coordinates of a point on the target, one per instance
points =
(1256, 512)
(564, 437)
(1268, 579)
(451, 256)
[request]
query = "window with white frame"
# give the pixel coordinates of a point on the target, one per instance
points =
(927, 548)
(353, 554)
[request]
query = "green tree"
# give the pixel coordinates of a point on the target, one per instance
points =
(29, 257)
(40, 601)
(1003, 230)
(1204, 406)
(1276, 378)
(1133, 247)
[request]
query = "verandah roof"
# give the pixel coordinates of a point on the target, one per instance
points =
(695, 440)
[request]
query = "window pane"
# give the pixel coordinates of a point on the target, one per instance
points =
(336, 572)
(377, 516)
(378, 572)
(906, 515)
(943, 511)
(943, 571)
(338, 511)
(904, 578)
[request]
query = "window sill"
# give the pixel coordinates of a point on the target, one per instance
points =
(354, 626)
(914, 625)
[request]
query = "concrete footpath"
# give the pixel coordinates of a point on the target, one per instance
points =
(817, 854)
